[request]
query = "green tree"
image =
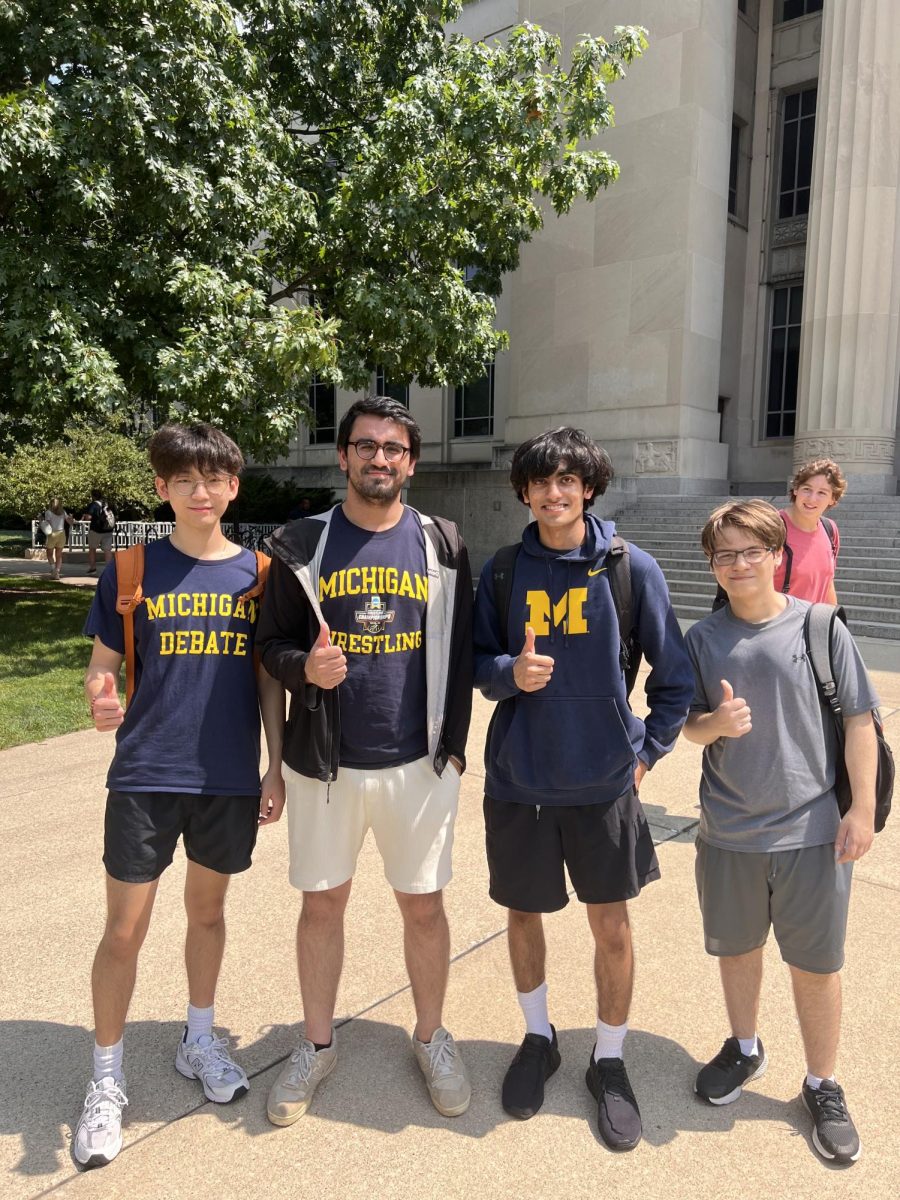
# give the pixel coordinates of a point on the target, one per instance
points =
(203, 203)
(85, 458)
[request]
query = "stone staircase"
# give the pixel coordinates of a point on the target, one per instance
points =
(868, 568)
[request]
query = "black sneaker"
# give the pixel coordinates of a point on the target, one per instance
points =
(721, 1080)
(834, 1134)
(523, 1085)
(618, 1116)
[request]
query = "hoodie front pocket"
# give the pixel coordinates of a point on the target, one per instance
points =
(560, 744)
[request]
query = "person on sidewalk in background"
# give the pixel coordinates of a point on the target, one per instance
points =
(772, 848)
(57, 519)
(100, 532)
(815, 489)
(565, 756)
(367, 620)
(186, 763)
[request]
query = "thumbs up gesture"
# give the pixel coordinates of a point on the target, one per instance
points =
(733, 713)
(532, 671)
(326, 665)
(103, 697)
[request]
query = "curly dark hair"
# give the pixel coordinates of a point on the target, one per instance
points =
(566, 447)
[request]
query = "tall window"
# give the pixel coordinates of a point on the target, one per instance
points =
(784, 361)
(473, 407)
(733, 169)
(791, 9)
(396, 391)
(323, 429)
(797, 130)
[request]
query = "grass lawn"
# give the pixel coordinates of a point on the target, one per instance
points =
(42, 659)
(14, 542)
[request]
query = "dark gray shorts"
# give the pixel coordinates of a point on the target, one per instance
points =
(802, 894)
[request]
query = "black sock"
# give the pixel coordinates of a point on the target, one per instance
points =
(323, 1045)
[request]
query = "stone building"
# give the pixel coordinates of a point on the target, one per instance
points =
(730, 307)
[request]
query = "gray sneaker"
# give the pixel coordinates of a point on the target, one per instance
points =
(445, 1073)
(293, 1090)
(208, 1060)
(98, 1134)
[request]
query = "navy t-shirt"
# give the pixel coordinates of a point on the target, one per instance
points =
(373, 588)
(193, 724)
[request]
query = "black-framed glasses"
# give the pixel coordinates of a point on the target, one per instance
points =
(367, 448)
(215, 485)
(752, 555)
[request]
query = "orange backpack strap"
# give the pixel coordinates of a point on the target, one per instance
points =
(129, 577)
(263, 562)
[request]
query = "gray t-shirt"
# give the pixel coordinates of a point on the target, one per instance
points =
(773, 788)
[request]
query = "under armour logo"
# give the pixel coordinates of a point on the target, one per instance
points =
(798, 658)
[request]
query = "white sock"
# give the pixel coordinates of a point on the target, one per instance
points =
(610, 1040)
(108, 1061)
(748, 1046)
(816, 1081)
(534, 1009)
(199, 1023)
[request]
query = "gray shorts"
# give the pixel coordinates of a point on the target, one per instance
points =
(100, 541)
(804, 895)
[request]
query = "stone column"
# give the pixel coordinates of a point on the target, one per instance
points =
(849, 361)
(617, 307)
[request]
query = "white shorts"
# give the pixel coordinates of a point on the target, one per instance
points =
(410, 809)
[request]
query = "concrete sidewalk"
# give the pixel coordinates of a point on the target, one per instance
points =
(372, 1131)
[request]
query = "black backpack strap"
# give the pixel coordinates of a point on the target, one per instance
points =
(618, 564)
(788, 557)
(502, 569)
(831, 530)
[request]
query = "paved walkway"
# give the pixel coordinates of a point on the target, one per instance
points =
(372, 1131)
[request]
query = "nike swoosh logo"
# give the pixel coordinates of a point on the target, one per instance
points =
(598, 571)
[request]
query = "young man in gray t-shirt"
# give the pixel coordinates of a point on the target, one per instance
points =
(773, 849)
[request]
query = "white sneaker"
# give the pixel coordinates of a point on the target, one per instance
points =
(291, 1094)
(445, 1073)
(98, 1134)
(208, 1060)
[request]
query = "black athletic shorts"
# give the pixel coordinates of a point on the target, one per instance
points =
(143, 828)
(607, 849)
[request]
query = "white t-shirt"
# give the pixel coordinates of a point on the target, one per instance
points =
(57, 520)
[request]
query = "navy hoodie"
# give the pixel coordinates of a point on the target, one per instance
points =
(576, 741)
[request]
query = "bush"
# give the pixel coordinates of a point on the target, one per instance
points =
(88, 457)
(265, 499)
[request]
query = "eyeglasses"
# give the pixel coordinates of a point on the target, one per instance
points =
(752, 555)
(366, 448)
(215, 485)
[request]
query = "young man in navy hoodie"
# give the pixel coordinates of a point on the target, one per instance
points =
(565, 756)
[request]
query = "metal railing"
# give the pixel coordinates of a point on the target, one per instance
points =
(131, 533)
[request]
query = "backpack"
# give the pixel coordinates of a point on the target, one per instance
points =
(129, 578)
(721, 597)
(818, 626)
(618, 564)
(106, 519)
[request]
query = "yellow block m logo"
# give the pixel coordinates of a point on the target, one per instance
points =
(568, 612)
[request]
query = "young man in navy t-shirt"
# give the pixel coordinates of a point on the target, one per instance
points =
(186, 763)
(367, 621)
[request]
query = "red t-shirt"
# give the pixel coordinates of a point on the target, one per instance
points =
(812, 566)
